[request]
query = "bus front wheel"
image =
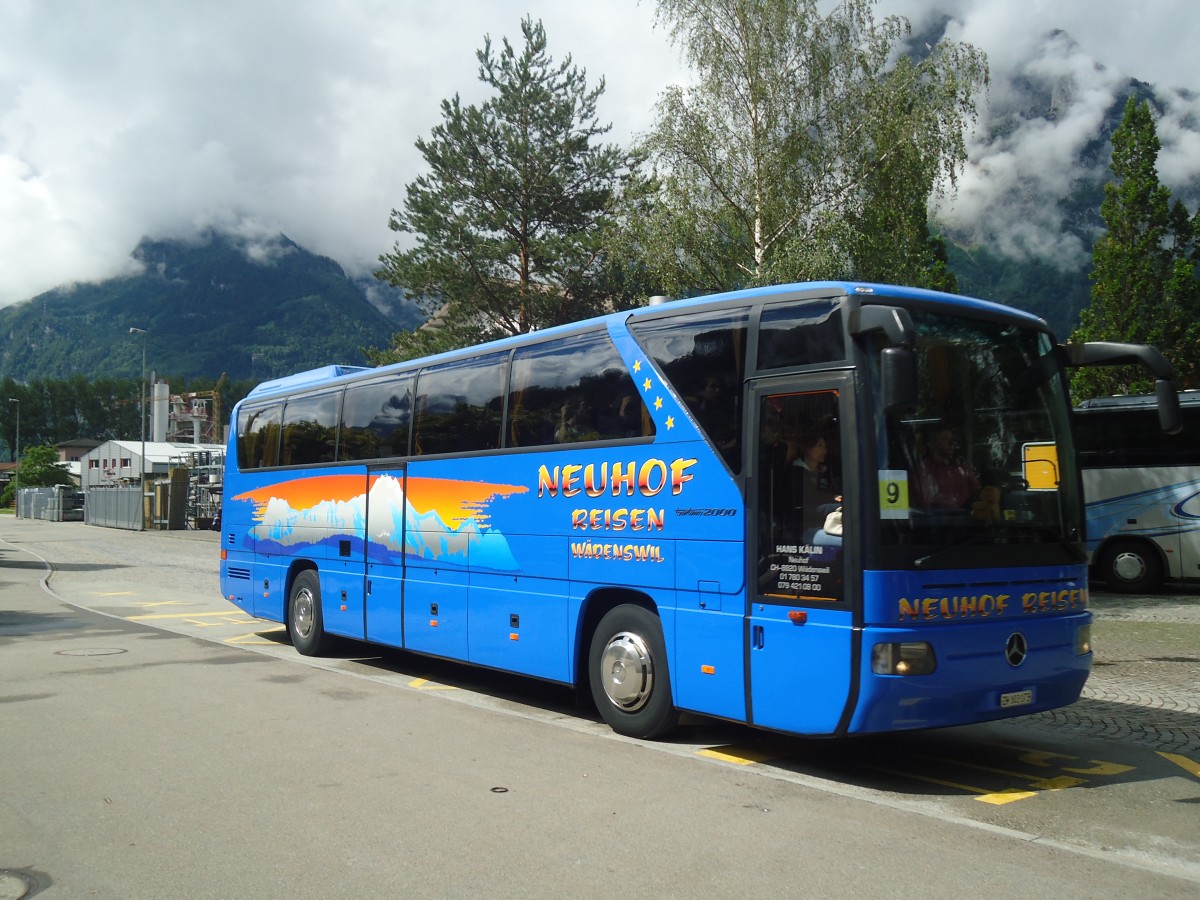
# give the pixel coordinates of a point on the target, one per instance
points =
(305, 627)
(627, 669)
(1131, 567)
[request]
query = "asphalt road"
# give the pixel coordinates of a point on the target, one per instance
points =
(156, 742)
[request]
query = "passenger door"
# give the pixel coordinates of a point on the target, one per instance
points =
(801, 491)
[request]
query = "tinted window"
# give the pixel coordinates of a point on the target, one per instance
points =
(800, 334)
(310, 430)
(987, 447)
(258, 436)
(704, 358)
(1133, 437)
(459, 406)
(375, 419)
(573, 389)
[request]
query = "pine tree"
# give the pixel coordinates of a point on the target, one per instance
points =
(510, 220)
(1144, 287)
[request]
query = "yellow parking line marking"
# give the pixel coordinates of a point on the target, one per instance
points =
(1009, 796)
(996, 798)
(180, 615)
(159, 603)
(255, 638)
(113, 593)
(1043, 784)
(229, 621)
(1043, 758)
(424, 684)
(742, 756)
(1188, 765)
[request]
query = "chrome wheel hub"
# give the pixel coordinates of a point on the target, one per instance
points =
(627, 671)
(302, 613)
(1129, 566)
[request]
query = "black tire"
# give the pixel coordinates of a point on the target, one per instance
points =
(305, 626)
(1131, 567)
(627, 672)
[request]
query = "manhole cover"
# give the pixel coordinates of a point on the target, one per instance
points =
(91, 651)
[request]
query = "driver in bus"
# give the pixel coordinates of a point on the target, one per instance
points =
(946, 482)
(943, 480)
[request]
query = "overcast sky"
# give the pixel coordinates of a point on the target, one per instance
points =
(121, 119)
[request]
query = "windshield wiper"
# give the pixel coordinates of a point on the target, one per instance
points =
(924, 561)
(1074, 550)
(996, 537)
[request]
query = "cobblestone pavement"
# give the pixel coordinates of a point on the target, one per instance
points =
(1145, 682)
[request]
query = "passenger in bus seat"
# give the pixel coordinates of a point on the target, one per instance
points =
(815, 495)
(716, 411)
(772, 473)
(626, 419)
(944, 481)
(576, 421)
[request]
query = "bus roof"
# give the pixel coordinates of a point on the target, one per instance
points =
(852, 288)
(1135, 401)
(315, 377)
(303, 379)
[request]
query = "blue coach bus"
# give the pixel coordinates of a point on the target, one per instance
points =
(822, 509)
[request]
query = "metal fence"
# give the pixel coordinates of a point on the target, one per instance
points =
(53, 504)
(116, 506)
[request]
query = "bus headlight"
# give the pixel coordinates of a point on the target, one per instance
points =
(1083, 641)
(903, 659)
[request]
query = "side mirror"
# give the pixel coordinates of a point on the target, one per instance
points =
(898, 377)
(897, 363)
(1170, 419)
(1111, 353)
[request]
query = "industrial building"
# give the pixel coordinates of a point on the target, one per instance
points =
(170, 480)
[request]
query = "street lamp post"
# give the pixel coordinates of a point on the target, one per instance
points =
(17, 471)
(142, 460)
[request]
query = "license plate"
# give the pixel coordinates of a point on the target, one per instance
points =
(1016, 698)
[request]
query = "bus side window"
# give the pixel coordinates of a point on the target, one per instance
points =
(310, 429)
(459, 406)
(704, 358)
(258, 437)
(375, 419)
(1090, 430)
(571, 390)
(800, 334)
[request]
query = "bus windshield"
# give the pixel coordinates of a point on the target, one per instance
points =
(985, 460)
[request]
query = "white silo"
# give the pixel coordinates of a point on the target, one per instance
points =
(160, 408)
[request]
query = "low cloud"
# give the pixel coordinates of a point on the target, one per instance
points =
(122, 120)
(1057, 71)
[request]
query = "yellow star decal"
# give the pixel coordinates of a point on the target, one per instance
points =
(658, 402)
(637, 366)
(670, 422)
(647, 384)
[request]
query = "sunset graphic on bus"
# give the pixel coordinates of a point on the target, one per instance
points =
(442, 516)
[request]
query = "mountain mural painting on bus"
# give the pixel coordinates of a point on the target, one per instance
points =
(324, 510)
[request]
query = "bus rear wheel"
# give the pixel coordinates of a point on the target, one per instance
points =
(1131, 567)
(305, 626)
(627, 670)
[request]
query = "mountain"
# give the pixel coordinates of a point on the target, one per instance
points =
(1049, 275)
(1019, 230)
(1027, 213)
(213, 306)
